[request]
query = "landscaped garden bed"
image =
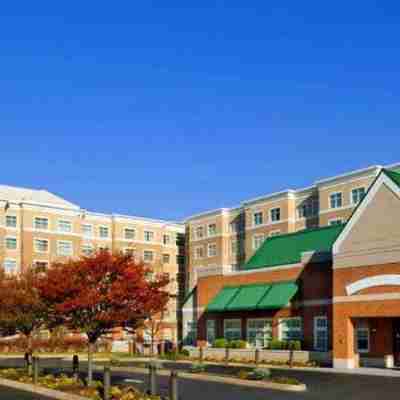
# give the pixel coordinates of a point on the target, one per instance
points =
(75, 386)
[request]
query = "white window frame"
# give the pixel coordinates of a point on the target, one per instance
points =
(148, 251)
(233, 227)
(87, 245)
(11, 226)
(108, 231)
(14, 261)
(211, 246)
(351, 194)
(151, 236)
(166, 238)
(255, 238)
(266, 332)
(129, 250)
(334, 221)
(271, 213)
(330, 200)
(196, 255)
(35, 248)
(308, 209)
(258, 214)
(234, 247)
(12, 238)
(280, 327)
(235, 329)
(196, 232)
(128, 228)
(60, 242)
(85, 234)
(41, 229)
(208, 230)
(318, 330)
(363, 328)
(169, 258)
(63, 221)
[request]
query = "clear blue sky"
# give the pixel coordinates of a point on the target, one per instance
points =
(168, 108)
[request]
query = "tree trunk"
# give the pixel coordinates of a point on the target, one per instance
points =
(90, 364)
(30, 354)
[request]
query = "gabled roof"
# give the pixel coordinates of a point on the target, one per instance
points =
(393, 175)
(18, 194)
(287, 249)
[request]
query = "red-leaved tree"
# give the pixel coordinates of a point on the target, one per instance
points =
(99, 293)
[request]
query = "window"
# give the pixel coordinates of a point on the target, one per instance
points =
(274, 233)
(257, 241)
(166, 239)
(41, 223)
(212, 229)
(308, 209)
(11, 221)
(232, 329)
(357, 195)
(191, 333)
(210, 331)
(129, 233)
(103, 248)
(166, 258)
(103, 231)
(130, 252)
(11, 243)
(290, 329)
(199, 232)
(258, 218)
(199, 252)
(41, 245)
(148, 256)
(259, 332)
(336, 200)
(362, 339)
(233, 227)
(64, 248)
(275, 214)
(321, 333)
(87, 249)
(40, 266)
(336, 221)
(87, 230)
(212, 250)
(148, 236)
(235, 249)
(10, 266)
(64, 226)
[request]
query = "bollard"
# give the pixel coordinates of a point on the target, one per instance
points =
(35, 362)
(173, 386)
(106, 383)
(227, 355)
(257, 356)
(201, 355)
(153, 380)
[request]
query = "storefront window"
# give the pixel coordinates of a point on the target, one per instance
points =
(259, 332)
(362, 340)
(232, 329)
(191, 333)
(210, 331)
(290, 329)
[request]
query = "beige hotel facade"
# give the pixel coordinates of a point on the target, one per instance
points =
(38, 227)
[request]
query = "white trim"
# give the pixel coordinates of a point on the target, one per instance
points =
(266, 269)
(195, 256)
(269, 223)
(280, 320)
(268, 322)
(341, 200)
(282, 195)
(272, 221)
(149, 251)
(373, 168)
(332, 210)
(351, 194)
(40, 229)
(130, 228)
(208, 250)
(367, 297)
(85, 236)
(16, 243)
(16, 221)
(99, 227)
(382, 180)
(58, 248)
(343, 363)
(371, 281)
(65, 220)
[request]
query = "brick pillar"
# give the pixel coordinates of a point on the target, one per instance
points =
(343, 341)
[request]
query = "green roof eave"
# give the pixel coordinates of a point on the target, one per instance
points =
(222, 299)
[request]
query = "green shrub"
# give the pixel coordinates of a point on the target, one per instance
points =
(197, 368)
(220, 343)
(286, 381)
(294, 345)
(242, 374)
(185, 353)
(237, 344)
(258, 374)
(277, 344)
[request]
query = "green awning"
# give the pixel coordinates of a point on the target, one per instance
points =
(221, 300)
(253, 297)
(247, 297)
(278, 296)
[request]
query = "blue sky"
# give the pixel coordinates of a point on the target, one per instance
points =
(165, 109)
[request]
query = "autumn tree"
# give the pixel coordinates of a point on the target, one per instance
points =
(21, 307)
(98, 293)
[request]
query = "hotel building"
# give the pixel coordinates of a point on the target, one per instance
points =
(320, 265)
(38, 227)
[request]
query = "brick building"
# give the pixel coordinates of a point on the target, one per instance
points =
(335, 286)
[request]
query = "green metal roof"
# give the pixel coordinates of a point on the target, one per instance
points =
(278, 295)
(222, 299)
(247, 297)
(393, 175)
(286, 249)
(253, 297)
